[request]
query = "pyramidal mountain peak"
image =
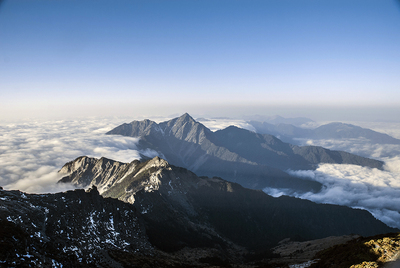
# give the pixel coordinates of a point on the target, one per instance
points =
(186, 118)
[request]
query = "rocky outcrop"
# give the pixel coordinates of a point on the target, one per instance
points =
(70, 229)
(85, 171)
(377, 251)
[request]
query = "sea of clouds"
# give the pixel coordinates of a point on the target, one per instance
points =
(377, 191)
(32, 152)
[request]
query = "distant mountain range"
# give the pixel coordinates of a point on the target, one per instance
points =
(290, 132)
(251, 159)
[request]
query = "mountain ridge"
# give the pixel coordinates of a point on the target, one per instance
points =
(172, 198)
(175, 219)
(251, 159)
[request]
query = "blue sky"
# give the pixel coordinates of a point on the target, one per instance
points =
(68, 58)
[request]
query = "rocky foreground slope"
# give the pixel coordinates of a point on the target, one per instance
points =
(253, 160)
(82, 229)
(181, 209)
(70, 229)
(166, 217)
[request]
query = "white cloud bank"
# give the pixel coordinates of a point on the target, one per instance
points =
(360, 146)
(360, 187)
(377, 191)
(32, 153)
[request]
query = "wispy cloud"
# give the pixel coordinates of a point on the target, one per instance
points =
(360, 146)
(221, 123)
(31, 153)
